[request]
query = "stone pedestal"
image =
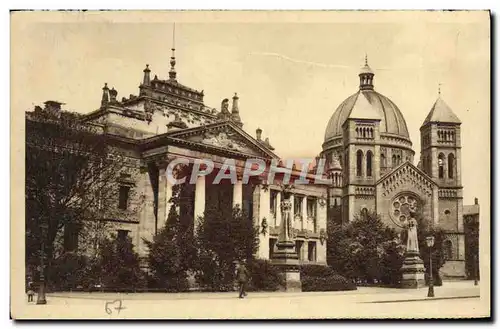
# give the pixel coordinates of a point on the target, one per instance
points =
(413, 271)
(287, 260)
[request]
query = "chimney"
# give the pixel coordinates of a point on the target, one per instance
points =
(258, 134)
(147, 78)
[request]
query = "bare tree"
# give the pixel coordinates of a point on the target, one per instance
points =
(76, 181)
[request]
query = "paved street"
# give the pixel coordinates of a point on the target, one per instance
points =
(455, 299)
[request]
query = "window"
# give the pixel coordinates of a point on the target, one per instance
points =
(311, 207)
(383, 161)
(448, 249)
(311, 251)
(122, 234)
(273, 205)
(394, 159)
(451, 162)
(359, 162)
(123, 197)
(298, 248)
(70, 236)
(369, 164)
(441, 165)
(297, 206)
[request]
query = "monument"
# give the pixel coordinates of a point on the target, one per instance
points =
(413, 267)
(286, 258)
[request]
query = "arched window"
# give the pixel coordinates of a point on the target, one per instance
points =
(359, 162)
(383, 161)
(451, 163)
(394, 160)
(369, 164)
(441, 165)
(448, 249)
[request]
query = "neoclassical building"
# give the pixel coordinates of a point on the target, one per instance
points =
(369, 152)
(168, 121)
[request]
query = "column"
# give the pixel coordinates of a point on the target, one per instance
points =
(168, 196)
(162, 202)
(278, 209)
(303, 225)
(292, 210)
(264, 212)
(199, 199)
(238, 193)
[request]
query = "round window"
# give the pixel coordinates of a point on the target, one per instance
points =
(401, 208)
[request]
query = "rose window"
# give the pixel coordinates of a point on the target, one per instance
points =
(401, 208)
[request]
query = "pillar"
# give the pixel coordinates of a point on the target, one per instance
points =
(264, 212)
(303, 225)
(199, 199)
(278, 209)
(238, 193)
(168, 196)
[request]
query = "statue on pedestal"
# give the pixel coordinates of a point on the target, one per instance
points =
(413, 267)
(285, 257)
(412, 241)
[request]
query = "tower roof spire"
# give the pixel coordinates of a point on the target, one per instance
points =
(173, 74)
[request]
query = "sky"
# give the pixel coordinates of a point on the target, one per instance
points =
(290, 70)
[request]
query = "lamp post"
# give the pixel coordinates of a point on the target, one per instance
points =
(41, 300)
(430, 242)
(475, 270)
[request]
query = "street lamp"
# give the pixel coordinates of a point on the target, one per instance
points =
(475, 270)
(430, 242)
(41, 287)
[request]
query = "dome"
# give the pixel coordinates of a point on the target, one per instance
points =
(392, 121)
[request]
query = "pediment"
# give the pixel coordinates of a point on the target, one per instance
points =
(406, 177)
(224, 136)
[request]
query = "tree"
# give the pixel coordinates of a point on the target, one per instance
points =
(171, 250)
(365, 250)
(119, 265)
(73, 174)
(221, 241)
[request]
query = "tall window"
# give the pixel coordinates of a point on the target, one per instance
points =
(359, 162)
(123, 197)
(451, 163)
(441, 165)
(298, 248)
(273, 205)
(297, 206)
(311, 250)
(394, 159)
(383, 161)
(369, 164)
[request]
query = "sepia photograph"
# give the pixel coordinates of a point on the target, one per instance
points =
(180, 165)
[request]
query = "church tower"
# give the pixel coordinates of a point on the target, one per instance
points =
(361, 140)
(440, 158)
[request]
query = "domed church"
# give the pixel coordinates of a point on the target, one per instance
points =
(370, 158)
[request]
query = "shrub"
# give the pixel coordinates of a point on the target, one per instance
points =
(316, 271)
(333, 282)
(323, 278)
(264, 276)
(67, 271)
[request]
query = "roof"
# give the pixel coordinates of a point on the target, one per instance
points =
(362, 109)
(392, 120)
(441, 112)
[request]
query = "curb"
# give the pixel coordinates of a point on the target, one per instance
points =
(420, 299)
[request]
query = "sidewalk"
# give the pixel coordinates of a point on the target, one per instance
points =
(450, 289)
